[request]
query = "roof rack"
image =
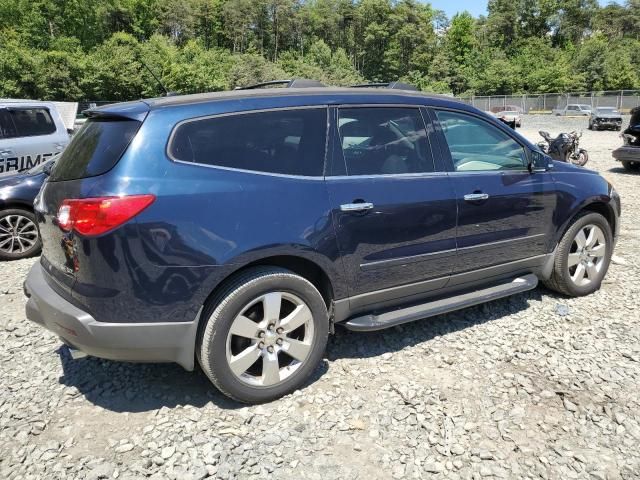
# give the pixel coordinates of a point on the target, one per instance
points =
(291, 83)
(392, 85)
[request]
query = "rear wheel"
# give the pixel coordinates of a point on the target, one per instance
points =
(19, 236)
(264, 335)
(583, 256)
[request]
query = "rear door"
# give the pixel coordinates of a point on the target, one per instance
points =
(36, 134)
(505, 213)
(394, 212)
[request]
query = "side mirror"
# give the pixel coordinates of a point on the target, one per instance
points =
(539, 162)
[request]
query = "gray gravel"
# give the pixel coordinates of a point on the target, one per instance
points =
(532, 386)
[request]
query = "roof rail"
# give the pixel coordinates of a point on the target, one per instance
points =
(291, 83)
(391, 85)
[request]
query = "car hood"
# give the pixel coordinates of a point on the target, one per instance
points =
(559, 166)
(20, 179)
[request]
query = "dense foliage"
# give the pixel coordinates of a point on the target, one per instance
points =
(97, 49)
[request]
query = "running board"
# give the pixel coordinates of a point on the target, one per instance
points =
(370, 323)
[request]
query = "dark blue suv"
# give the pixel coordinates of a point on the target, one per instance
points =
(237, 228)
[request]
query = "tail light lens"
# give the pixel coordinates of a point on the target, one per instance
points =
(95, 216)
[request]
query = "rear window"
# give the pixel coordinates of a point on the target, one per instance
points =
(26, 122)
(95, 149)
(290, 142)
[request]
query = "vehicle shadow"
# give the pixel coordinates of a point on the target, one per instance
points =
(134, 387)
(624, 171)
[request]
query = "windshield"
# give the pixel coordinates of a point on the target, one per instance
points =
(40, 167)
(607, 110)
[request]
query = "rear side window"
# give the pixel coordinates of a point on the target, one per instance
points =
(290, 142)
(26, 122)
(384, 141)
(95, 149)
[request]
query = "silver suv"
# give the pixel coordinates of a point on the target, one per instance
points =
(30, 133)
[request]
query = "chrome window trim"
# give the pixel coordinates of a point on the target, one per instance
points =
(389, 175)
(249, 112)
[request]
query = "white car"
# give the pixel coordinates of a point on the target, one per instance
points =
(31, 132)
(573, 110)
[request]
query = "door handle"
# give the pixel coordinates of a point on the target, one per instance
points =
(475, 197)
(356, 207)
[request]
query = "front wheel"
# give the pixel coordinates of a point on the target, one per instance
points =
(583, 256)
(19, 236)
(631, 166)
(264, 335)
(581, 158)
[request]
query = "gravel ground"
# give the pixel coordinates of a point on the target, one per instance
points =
(532, 386)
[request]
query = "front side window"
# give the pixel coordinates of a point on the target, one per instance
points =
(476, 145)
(30, 122)
(290, 142)
(384, 141)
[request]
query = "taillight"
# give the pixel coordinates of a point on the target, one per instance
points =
(95, 216)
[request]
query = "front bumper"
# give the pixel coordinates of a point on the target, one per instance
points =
(132, 342)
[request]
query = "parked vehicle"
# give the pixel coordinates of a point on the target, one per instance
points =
(574, 109)
(605, 118)
(629, 153)
(30, 133)
(565, 148)
(237, 228)
(19, 236)
(510, 117)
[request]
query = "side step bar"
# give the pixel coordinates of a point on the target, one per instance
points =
(370, 323)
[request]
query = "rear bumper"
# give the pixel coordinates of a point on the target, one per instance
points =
(133, 342)
(627, 154)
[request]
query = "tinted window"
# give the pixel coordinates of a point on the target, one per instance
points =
(384, 141)
(478, 145)
(29, 122)
(288, 142)
(95, 149)
(7, 129)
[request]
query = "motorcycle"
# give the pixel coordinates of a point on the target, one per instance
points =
(565, 147)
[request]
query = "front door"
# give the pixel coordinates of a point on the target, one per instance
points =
(394, 214)
(505, 212)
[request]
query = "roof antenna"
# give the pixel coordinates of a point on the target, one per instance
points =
(167, 93)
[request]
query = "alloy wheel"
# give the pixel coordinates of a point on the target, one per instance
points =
(270, 339)
(587, 255)
(18, 234)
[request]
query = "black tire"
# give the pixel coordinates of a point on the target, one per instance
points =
(560, 280)
(221, 311)
(9, 215)
(631, 166)
(581, 159)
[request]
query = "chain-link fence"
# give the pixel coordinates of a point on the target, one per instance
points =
(623, 100)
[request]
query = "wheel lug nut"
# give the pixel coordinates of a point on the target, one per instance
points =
(279, 341)
(280, 330)
(261, 345)
(270, 349)
(261, 335)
